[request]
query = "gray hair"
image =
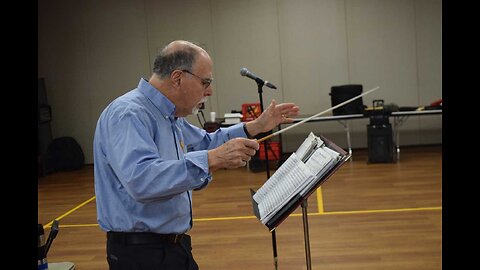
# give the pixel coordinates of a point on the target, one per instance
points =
(173, 57)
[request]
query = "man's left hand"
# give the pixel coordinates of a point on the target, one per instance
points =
(273, 116)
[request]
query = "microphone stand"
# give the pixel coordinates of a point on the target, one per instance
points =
(267, 167)
(265, 143)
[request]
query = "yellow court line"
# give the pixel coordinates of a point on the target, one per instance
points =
(80, 225)
(69, 212)
(377, 211)
(321, 210)
(334, 213)
(223, 218)
(297, 215)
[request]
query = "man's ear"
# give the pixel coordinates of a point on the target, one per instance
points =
(175, 76)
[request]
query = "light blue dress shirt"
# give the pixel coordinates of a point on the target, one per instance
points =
(147, 162)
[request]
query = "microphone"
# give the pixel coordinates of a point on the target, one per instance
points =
(245, 72)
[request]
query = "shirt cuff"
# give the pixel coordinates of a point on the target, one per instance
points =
(200, 160)
(235, 131)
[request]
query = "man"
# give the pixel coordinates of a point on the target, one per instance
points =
(148, 159)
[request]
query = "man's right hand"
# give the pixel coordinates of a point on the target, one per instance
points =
(232, 154)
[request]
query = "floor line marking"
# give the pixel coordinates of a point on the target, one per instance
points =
(321, 210)
(296, 215)
(69, 212)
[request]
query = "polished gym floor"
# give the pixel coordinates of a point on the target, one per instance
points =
(365, 216)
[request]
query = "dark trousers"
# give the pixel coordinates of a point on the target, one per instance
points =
(158, 255)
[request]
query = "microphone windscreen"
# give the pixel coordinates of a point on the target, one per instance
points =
(243, 71)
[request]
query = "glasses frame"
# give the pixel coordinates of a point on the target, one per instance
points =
(206, 82)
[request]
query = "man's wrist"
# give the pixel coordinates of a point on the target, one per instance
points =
(213, 165)
(246, 131)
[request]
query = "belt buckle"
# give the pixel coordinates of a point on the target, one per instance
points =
(177, 238)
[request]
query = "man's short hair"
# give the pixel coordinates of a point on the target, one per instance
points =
(169, 60)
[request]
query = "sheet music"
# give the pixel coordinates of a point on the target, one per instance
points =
(334, 154)
(297, 175)
(319, 163)
(306, 148)
(275, 179)
(287, 184)
(290, 168)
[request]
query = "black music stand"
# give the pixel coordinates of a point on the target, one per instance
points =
(298, 200)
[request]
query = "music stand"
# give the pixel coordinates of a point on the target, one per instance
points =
(299, 199)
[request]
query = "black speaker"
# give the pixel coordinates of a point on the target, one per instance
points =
(380, 143)
(341, 93)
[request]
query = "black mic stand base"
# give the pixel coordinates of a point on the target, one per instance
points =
(267, 165)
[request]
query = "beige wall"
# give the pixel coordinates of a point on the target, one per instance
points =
(90, 52)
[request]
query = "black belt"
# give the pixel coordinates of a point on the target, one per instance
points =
(143, 238)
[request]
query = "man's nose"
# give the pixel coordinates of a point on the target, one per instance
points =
(209, 91)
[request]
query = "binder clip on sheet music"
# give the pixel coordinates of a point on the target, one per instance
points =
(297, 175)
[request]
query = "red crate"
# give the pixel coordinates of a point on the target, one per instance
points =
(273, 151)
(250, 111)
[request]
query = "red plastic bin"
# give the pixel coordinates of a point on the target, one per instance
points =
(251, 111)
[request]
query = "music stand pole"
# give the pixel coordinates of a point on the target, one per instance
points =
(306, 235)
(274, 245)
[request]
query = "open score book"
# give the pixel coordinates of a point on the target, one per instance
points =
(305, 169)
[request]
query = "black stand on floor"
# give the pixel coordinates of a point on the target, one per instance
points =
(298, 200)
(265, 143)
(267, 167)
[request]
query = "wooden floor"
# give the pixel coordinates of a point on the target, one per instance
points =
(366, 216)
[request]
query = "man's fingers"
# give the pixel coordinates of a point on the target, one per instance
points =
(251, 144)
(289, 109)
(273, 103)
(250, 152)
(246, 158)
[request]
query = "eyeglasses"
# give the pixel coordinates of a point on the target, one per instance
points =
(205, 82)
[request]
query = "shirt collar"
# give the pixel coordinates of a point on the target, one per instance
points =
(159, 100)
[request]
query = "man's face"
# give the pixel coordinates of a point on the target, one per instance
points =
(197, 85)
